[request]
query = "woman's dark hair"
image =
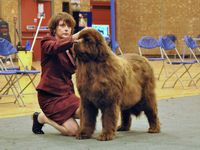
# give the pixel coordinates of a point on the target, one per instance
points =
(54, 21)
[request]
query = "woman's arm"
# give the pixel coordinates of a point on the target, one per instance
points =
(52, 46)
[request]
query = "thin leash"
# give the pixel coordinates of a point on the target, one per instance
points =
(71, 58)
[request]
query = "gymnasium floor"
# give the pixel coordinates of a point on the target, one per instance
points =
(178, 111)
(179, 123)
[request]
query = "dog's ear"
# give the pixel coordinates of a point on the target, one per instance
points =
(98, 49)
(102, 51)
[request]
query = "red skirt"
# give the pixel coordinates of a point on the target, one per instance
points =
(58, 108)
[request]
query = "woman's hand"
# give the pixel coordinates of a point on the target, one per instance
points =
(76, 35)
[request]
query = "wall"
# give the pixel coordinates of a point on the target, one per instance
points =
(85, 5)
(57, 5)
(0, 8)
(136, 18)
(9, 10)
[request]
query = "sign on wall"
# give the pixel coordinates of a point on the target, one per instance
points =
(75, 5)
(41, 10)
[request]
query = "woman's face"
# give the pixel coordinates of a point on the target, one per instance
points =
(62, 30)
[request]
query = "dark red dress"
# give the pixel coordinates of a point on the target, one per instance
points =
(55, 91)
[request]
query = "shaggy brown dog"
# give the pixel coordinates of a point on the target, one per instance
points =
(112, 84)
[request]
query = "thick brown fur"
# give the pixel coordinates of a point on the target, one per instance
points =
(112, 84)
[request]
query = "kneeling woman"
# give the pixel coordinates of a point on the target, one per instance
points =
(56, 95)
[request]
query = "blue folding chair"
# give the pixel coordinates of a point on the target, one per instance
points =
(116, 46)
(150, 43)
(167, 45)
(7, 50)
(193, 47)
(10, 76)
(198, 40)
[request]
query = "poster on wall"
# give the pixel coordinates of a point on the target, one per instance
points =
(103, 29)
(83, 19)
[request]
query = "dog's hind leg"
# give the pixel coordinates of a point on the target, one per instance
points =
(150, 109)
(88, 116)
(154, 125)
(125, 121)
(110, 116)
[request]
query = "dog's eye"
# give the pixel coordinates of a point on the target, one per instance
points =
(87, 39)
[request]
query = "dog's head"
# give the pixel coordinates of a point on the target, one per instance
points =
(91, 46)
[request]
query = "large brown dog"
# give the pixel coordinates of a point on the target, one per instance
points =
(112, 84)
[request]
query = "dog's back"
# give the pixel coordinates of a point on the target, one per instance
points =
(140, 66)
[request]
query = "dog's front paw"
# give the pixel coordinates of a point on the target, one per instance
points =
(82, 135)
(105, 137)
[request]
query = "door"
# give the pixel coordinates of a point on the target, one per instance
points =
(101, 13)
(29, 21)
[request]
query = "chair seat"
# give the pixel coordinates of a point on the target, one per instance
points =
(156, 59)
(12, 68)
(182, 62)
(27, 71)
(8, 72)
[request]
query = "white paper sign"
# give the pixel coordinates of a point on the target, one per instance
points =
(75, 1)
(41, 10)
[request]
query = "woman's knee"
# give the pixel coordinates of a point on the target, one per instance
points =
(70, 131)
(71, 127)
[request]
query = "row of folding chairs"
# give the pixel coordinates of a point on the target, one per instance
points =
(166, 47)
(12, 74)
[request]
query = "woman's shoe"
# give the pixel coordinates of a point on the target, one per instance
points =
(37, 127)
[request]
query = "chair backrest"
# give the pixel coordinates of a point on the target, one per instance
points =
(172, 37)
(6, 48)
(148, 42)
(192, 45)
(190, 42)
(166, 43)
